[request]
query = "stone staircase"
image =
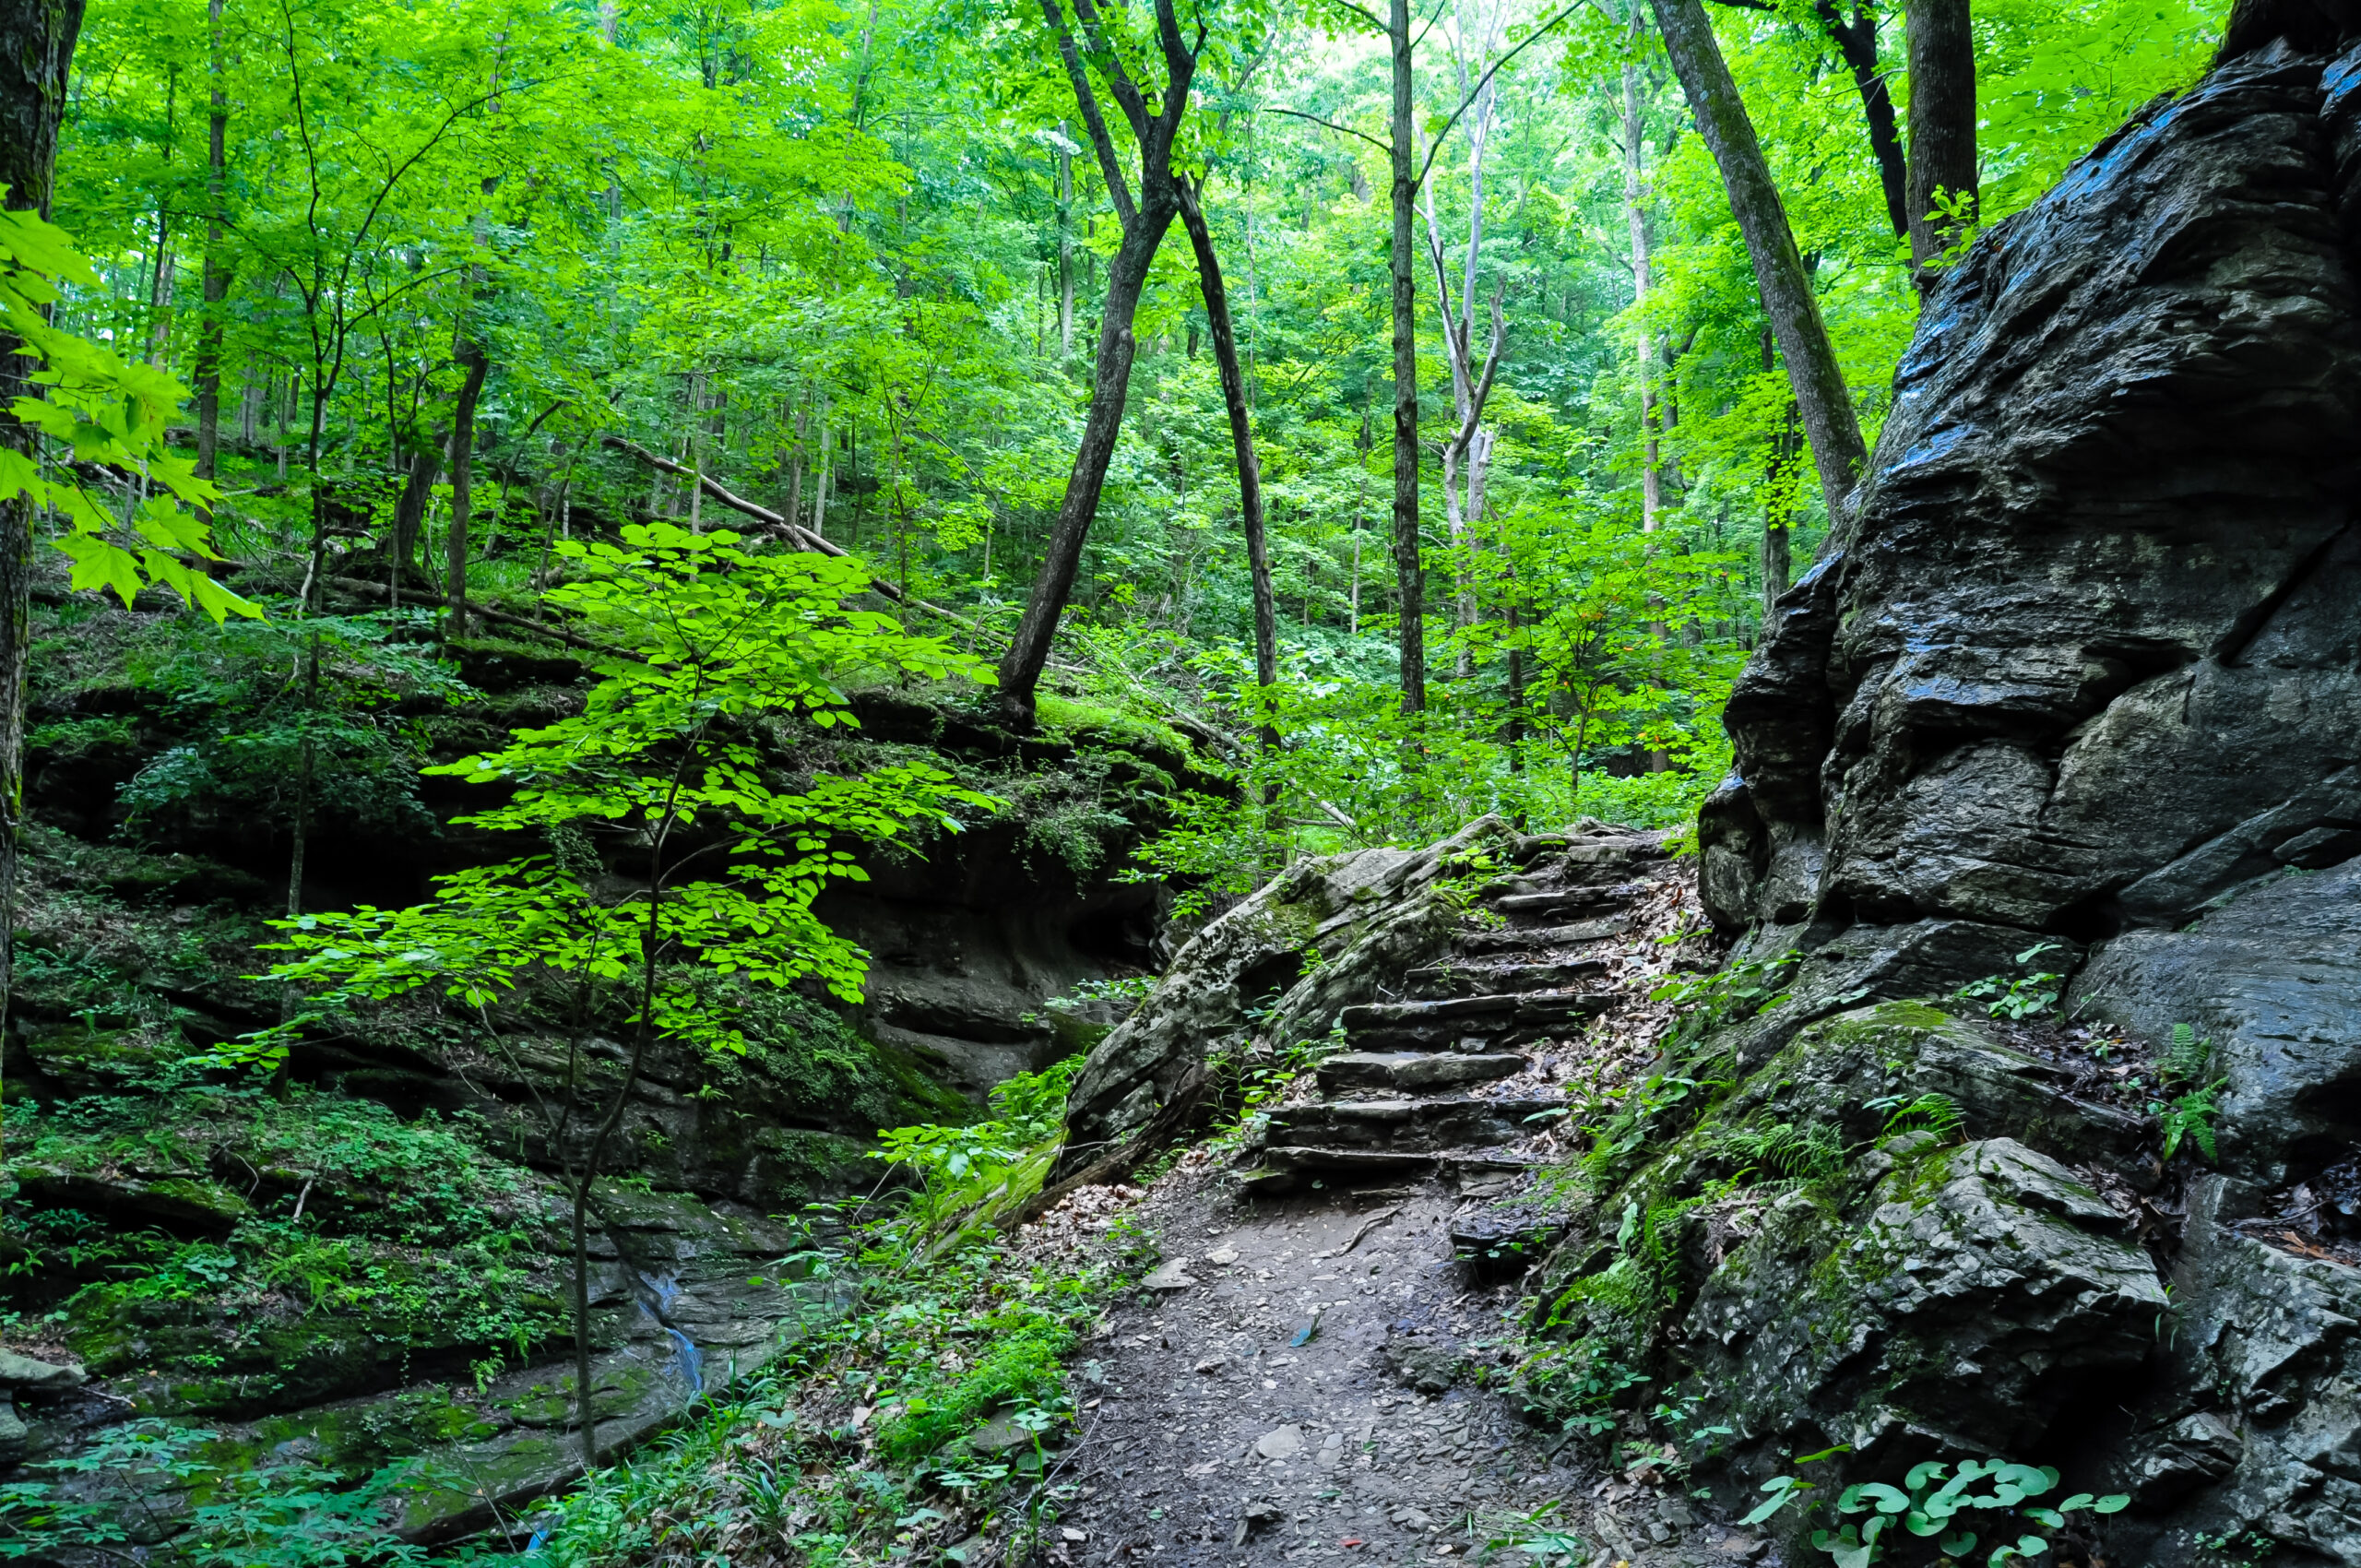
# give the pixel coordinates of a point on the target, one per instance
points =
(1420, 1083)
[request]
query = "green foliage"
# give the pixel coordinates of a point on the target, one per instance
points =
(2188, 1116)
(1578, 1384)
(1018, 1364)
(1934, 1503)
(248, 725)
(968, 1172)
(667, 743)
(285, 1512)
(1703, 1003)
(101, 409)
(2186, 1056)
(2030, 995)
(1780, 1151)
(1931, 1111)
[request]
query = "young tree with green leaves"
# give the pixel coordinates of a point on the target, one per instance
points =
(665, 772)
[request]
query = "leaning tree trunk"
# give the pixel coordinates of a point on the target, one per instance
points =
(1250, 472)
(1410, 572)
(1942, 128)
(36, 58)
(1787, 299)
(1028, 650)
(473, 359)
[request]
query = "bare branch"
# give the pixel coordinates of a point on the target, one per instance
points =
(1467, 102)
(1299, 114)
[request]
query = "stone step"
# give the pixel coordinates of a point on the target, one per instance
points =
(1496, 1241)
(1535, 939)
(1436, 980)
(1415, 1071)
(1283, 1165)
(1412, 1125)
(1469, 1022)
(1564, 901)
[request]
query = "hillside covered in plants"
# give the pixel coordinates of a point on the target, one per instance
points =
(945, 783)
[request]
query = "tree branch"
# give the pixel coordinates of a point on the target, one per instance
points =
(1299, 114)
(1102, 145)
(1486, 81)
(800, 537)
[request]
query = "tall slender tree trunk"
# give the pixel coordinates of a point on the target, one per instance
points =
(1065, 245)
(409, 506)
(1837, 450)
(1635, 213)
(1409, 569)
(36, 61)
(216, 271)
(475, 363)
(159, 287)
(1242, 439)
(1028, 650)
(1145, 219)
(1777, 534)
(795, 464)
(1942, 127)
(823, 466)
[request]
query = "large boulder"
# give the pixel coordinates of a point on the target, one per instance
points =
(1890, 1236)
(2083, 669)
(1280, 967)
(2089, 655)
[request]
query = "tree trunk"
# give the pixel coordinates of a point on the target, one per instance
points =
(800, 424)
(1942, 127)
(1028, 650)
(824, 467)
(1408, 571)
(1858, 41)
(1065, 248)
(1777, 511)
(1636, 214)
(1836, 434)
(1241, 438)
(207, 374)
(409, 506)
(1144, 225)
(473, 359)
(36, 60)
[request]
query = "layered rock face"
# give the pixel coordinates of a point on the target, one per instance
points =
(2090, 655)
(2085, 668)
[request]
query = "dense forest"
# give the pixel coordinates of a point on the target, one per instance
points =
(626, 603)
(426, 275)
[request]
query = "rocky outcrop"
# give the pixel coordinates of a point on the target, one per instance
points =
(2083, 670)
(2089, 656)
(1891, 1236)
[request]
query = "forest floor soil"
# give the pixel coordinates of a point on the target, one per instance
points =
(1269, 1410)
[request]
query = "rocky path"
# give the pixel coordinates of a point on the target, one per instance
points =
(1313, 1372)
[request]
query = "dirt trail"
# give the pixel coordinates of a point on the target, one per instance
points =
(1221, 1395)
(1312, 1373)
(1217, 1412)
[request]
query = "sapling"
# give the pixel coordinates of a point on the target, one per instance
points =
(663, 764)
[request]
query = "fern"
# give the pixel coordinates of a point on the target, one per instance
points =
(2191, 1116)
(2186, 1059)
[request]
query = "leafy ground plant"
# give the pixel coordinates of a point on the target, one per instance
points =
(1937, 1505)
(2031, 996)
